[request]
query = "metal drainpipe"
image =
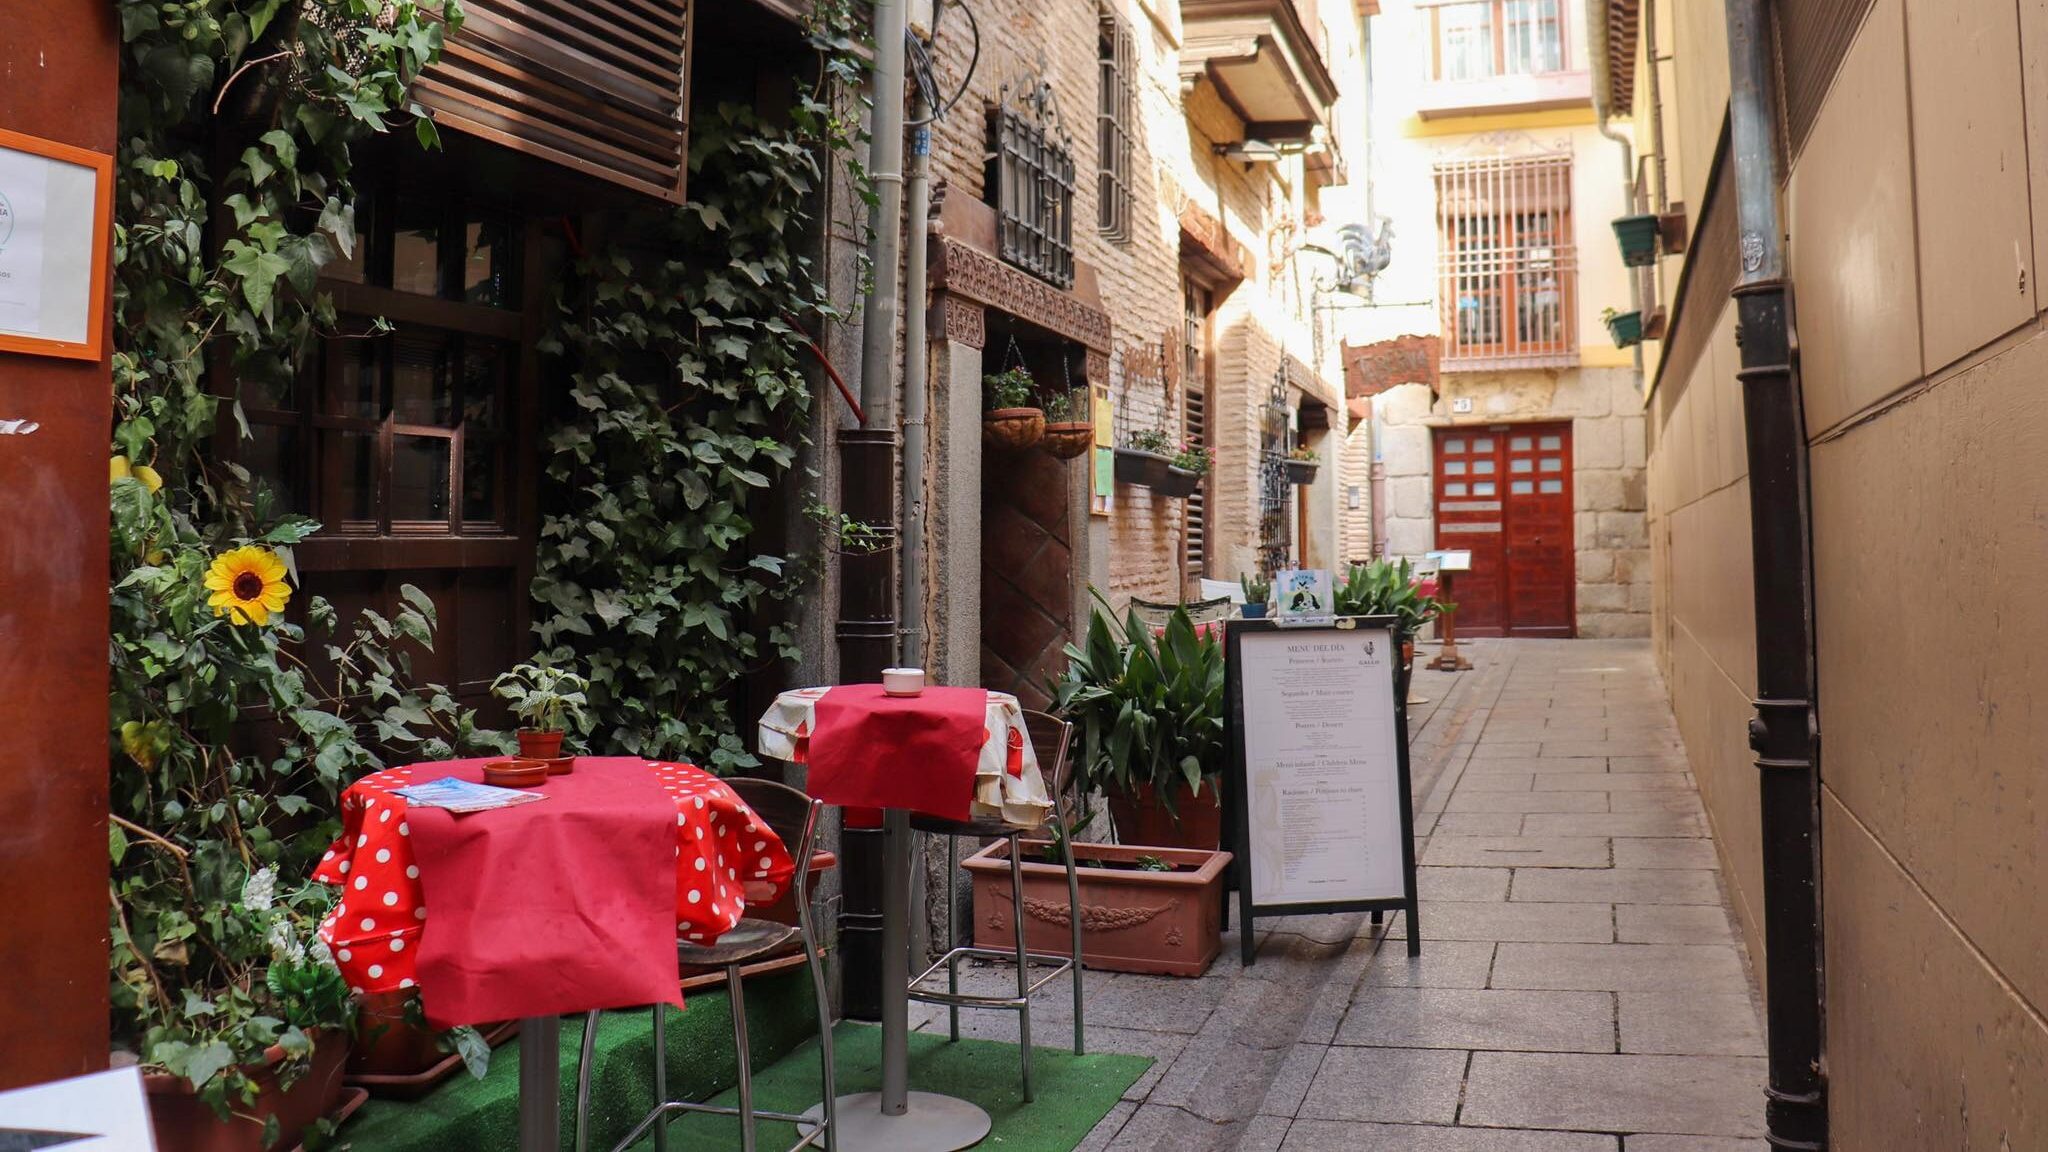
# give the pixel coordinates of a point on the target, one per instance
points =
(916, 364)
(1785, 732)
(1596, 51)
(867, 469)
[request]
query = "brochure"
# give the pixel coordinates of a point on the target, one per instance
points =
(458, 795)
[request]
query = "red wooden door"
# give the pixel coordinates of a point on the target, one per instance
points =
(1504, 493)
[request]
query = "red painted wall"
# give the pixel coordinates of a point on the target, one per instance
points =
(59, 62)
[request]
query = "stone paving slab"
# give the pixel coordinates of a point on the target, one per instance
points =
(1580, 987)
(1688, 1095)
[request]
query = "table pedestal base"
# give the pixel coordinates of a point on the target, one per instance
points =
(932, 1123)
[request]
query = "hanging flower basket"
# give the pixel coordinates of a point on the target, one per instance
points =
(1012, 429)
(1137, 466)
(1068, 439)
(1302, 472)
(1179, 482)
(1626, 328)
(1637, 236)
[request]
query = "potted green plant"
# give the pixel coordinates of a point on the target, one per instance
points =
(1068, 431)
(1144, 458)
(1150, 714)
(1258, 593)
(1009, 420)
(545, 698)
(1625, 327)
(1301, 465)
(1389, 588)
(1638, 237)
(1184, 472)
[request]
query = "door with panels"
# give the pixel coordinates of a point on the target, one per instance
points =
(1503, 491)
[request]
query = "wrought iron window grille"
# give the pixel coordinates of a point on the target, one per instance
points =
(1115, 119)
(1031, 178)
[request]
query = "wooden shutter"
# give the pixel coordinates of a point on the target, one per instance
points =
(599, 86)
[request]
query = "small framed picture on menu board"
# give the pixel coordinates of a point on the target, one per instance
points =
(56, 240)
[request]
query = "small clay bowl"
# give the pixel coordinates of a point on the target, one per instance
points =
(560, 765)
(516, 773)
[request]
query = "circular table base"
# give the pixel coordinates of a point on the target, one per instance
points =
(932, 1123)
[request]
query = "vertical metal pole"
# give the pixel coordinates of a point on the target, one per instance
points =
(1785, 732)
(916, 359)
(540, 1075)
(896, 963)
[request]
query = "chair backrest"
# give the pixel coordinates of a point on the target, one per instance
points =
(1229, 590)
(1052, 739)
(792, 816)
(1199, 611)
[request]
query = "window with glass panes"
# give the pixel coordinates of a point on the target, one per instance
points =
(399, 424)
(1115, 102)
(1481, 39)
(1507, 268)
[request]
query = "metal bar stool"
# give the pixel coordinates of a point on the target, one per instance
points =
(794, 818)
(1047, 733)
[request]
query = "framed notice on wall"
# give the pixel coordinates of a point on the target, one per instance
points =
(1322, 816)
(56, 228)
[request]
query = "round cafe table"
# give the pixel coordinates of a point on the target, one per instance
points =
(545, 908)
(955, 753)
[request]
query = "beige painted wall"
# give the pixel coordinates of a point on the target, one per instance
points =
(1912, 217)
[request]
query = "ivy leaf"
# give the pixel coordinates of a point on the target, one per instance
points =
(206, 1061)
(338, 220)
(117, 843)
(609, 609)
(257, 270)
(712, 216)
(429, 136)
(281, 143)
(259, 168)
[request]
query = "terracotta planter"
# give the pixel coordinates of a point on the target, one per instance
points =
(1141, 819)
(1166, 923)
(183, 1123)
(1012, 429)
(1137, 466)
(1068, 439)
(1179, 483)
(540, 743)
(397, 1058)
(1302, 472)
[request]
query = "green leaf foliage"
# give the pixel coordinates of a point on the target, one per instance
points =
(689, 395)
(229, 743)
(1387, 588)
(1150, 708)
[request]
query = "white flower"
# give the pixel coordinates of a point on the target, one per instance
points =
(260, 891)
(284, 943)
(321, 953)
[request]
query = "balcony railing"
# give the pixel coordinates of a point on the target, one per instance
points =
(1494, 55)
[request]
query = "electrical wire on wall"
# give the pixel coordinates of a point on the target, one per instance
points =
(924, 70)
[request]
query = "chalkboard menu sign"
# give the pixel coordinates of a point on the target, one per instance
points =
(1322, 816)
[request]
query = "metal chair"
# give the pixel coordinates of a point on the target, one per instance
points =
(1047, 733)
(794, 818)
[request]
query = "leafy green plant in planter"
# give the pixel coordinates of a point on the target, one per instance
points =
(1625, 327)
(1144, 458)
(1150, 712)
(1189, 463)
(1258, 593)
(1388, 588)
(547, 699)
(1009, 420)
(1301, 464)
(1068, 430)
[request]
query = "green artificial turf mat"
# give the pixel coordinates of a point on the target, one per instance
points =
(466, 1114)
(1074, 1092)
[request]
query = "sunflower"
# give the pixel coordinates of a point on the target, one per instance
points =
(247, 585)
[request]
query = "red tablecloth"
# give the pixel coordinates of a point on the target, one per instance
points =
(869, 749)
(557, 906)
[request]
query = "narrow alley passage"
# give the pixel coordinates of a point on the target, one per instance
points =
(1580, 987)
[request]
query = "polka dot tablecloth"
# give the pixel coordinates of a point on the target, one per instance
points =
(385, 908)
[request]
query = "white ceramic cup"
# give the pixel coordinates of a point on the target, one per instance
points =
(903, 681)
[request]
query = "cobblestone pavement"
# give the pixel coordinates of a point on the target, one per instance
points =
(1580, 988)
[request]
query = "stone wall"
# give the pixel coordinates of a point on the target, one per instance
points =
(1608, 484)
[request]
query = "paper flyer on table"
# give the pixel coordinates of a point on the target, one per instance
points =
(457, 795)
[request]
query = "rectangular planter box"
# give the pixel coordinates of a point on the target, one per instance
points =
(1165, 923)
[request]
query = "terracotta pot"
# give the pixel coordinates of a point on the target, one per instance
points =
(183, 1123)
(1068, 439)
(1137, 466)
(1166, 923)
(1012, 429)
(516, 773)
(387, 1043)
(540, 743)
(1141, 819)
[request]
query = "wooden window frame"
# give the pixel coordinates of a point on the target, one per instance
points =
(1504, 225)
(1198, 309)
(1115, 121)
(1496, 25)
